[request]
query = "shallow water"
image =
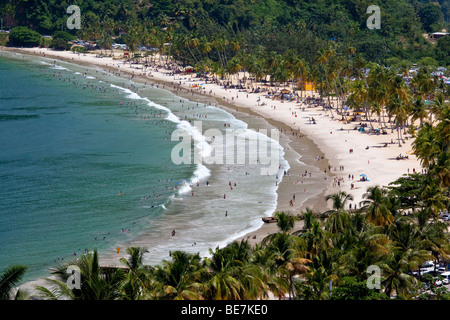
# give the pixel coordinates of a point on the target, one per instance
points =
(86, 162)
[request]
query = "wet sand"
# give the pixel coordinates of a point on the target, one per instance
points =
(330, 138)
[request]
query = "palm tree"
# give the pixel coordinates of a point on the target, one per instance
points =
(423, 84)
(407, 239)
(205, 46)
(395, 270)
(419, 111)
(399, 101)
(339, 219)
(105, 41)
(132, 40)
(288, 259)
(256, 282)
(360, 95)
(224, 281)
(137, 277)
(316, 285)
(285, 222)
(234, 65)
(315, 239)
(367, 248)
(433, 235)
(375, 206)
(188, 42)
(308, 218)
(220, 44)
(398, 108)
(236, 46)
(441, 169)
(322, 60)
(11, 277)
(272, 62)
(96, 283)
(378, 91)
(425, 145)
(300, 72)
(179, 278)
(433, 198)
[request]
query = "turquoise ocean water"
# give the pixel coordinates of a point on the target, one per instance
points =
(85, 162)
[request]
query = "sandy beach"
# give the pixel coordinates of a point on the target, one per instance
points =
(325, 145)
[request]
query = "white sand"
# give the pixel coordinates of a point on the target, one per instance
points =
(378, 163)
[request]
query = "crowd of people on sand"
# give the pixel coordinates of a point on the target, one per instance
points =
(176, 71)
(309, 102)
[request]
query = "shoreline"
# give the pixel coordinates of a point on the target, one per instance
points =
(330, 138)
(292, 147)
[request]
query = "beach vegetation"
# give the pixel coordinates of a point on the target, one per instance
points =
(328, 258)
(24, 37)
(220, 30)
(10, 277)
(61, 40)
(396, 228)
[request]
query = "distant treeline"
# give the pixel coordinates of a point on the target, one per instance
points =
(270, 25)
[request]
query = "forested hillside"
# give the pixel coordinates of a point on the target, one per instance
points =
(304, 26)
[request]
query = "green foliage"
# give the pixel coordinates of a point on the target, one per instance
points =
(59, 44)
(431, 16)
(60, 40)
(276, 25)
(3, 39)
(352, 288)
(79, 49)
(63, 35)
(24, 37)
(10, 278)
(443, 51)
(45, 42)
(408, 189)
(301, 264)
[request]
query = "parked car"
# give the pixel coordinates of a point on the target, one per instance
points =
(433, 273)
(437, 282)
(446, 217)
(445, 277)
(441, 269)
(427, 267)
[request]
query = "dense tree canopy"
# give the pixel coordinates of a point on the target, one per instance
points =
(24, 37)
(276, 25)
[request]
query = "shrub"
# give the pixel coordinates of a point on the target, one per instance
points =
(24, 37)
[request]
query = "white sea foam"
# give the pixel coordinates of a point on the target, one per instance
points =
(252, 222)
(200, 142)
(202, 220)
(56, 67)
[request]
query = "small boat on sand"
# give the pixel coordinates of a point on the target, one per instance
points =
(269, 219)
